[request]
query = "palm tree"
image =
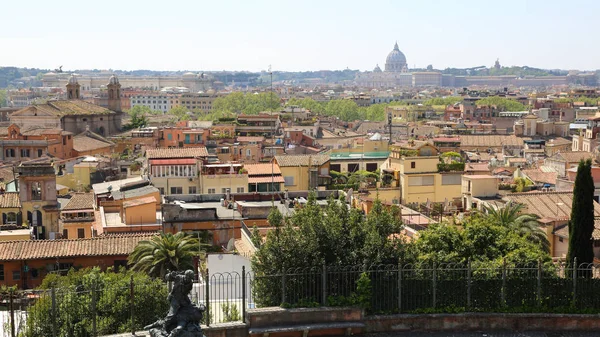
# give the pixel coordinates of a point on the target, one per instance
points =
(526, 225)
(164, 253)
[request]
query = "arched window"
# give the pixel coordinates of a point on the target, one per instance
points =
(36, 190)
(9, 218)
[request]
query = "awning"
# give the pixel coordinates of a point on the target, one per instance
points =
(265, 180)
(89, 210)
(188, 161)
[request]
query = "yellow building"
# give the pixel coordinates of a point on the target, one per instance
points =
(11, 228)
(80, 178)
(140, 211)
(37, 191)
(477, 188)
(175, 170)
(304, 172)
(421, 176)
(220, 178)
(78, 216)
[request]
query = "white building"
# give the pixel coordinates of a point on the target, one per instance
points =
(154, 102)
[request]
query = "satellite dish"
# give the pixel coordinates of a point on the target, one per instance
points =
(109, 188)
(230, 246)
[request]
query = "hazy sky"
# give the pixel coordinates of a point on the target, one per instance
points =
(297, 35)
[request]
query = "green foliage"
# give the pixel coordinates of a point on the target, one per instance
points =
(3, 98)
(164, 253)
(481, 239)
(180, 112)
(443, 100)
(256, 237)
(451, 155)
(111, 293)
(527, 225)
(138, 117)
(247, 103)
(453, 166)
(501, 103)
(312, 236)
(521, 184)
(581, 225)
(230, 312)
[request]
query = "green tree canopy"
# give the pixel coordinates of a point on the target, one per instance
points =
(247, 103)
(581, 225)
(526, 225)
(164, 253)
(501, 103)
(443, 100)
(111, 291)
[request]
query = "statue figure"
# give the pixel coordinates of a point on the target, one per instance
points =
(183, 318)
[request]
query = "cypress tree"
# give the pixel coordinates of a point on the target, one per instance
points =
(581, 224)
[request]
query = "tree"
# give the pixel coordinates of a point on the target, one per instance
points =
(250, 103)
(73, 315)
(526, 225)
(581, 225)
(501, 103)
(3, 98)
(180, 112)
(164, 253)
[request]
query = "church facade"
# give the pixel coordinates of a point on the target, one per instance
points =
(73, 114)
(396, 74)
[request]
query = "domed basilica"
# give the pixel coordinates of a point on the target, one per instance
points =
(395, 73)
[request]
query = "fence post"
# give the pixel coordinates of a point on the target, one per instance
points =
(206, 283)
(434, 284)
(131, 302)
(469, 283)
(282, 285)
(243, 293)
(503, 290)
(399, 286)
(94, 331)
(574, 281)
(54, 318)
(324, 285)
(539, 282)
(11, 295)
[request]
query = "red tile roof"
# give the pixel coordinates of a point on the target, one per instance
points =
(138, 202)
(186, 161)
(51, 249)
(10, 200)
(262, 169)
(80, 201)
(188, 152)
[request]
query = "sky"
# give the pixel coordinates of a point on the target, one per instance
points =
(300, 35)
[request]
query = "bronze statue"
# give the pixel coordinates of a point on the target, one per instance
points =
(183, 318)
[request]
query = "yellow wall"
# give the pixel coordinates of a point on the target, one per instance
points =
(480, 187)
(10, 236)
(166, 184)
(79, 179)
(140, 214)
(300, 175)
(422, 164)
(220, 181)
(434, 193)
(72, 228)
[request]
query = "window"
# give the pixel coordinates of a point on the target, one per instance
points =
(192, 190)
(224, 190)
(10, 218)
(352, 167)
(169, 136)
(211, 191)
(1, 272)
(40, 152)
(161, 190)
(65, 234)
(420, 181)
(16, 274)
(25, 152)
(34, 273)
(413, 164)
(560, 239)
(451, 179)
(240, 190)
(80, 233)
(176, 190)
(248, 152)
(288, 181)
(335, 167)
(36, 190)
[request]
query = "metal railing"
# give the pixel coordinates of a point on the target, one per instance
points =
(92, 310)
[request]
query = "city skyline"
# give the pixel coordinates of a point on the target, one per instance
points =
(240, 36)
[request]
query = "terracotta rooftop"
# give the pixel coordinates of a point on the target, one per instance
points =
(538, 176)
(52, 249)
(10, 200)
(485, 141)
(548, 204)
(574, 157)
(558, 141)
(80, 201)
(138, 202)
(479, 176)
(477, 167)
(262, 169)
(165, 153)
(83, 142)
(563, 231)
(68, 107)
(301, 160)
(250, 139)
(44, 131)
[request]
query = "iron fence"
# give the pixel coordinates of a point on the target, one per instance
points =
(90, 310)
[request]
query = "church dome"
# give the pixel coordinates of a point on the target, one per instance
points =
(189, 75)
(113, 80)
(73, 79)
(395, 61)
(377, 69)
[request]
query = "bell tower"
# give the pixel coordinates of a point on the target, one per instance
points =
(114, 94)
(73, 88)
